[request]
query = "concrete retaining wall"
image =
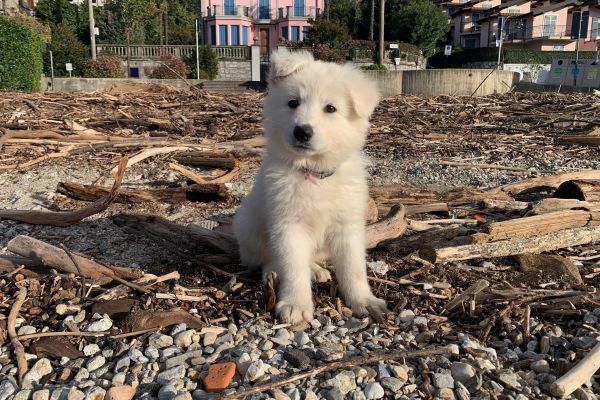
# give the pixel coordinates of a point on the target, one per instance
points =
(94, 84)
(457, 82)
(389, 82)
(235, 70)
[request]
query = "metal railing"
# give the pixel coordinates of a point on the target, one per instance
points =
(156, 52)
(551, 32)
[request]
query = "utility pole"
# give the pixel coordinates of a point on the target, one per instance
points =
(197, 52)
(381, 31)
(577, 49)
(92, 29)
(502, 19)
(372, 24)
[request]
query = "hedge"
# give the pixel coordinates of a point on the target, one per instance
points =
(509, 56)
(20, 56)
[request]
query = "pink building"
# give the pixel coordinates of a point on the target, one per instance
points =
(264, 22)
(547, 25)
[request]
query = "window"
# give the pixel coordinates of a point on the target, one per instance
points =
(213, 35)
(264, 9)
(235, 35)
(295, 33)
(305, 31)
(549, 27)
(596, 28)
(514, 10)
(229, 7)
(580, 25)
(245, 35)
(284, 33)
(299, 9)
(470, 43)
(558, 47)
(222, 35)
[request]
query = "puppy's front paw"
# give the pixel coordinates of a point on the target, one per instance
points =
(368, 305)
(319, 274)
(294, 312)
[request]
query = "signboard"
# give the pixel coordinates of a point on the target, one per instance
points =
(393, 46)
(575, 71)
(69, 67)
(397, 61)
(96, 31)
(447, 50)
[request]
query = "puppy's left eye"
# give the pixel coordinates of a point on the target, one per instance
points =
(330, 109)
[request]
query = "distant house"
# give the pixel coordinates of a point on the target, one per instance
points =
(264, 22)
(547, 25)
(11, 7)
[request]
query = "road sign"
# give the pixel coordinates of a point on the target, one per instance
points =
(447, 50)
(96, 31)
(393, 46)
(69, 66)
(575, 71)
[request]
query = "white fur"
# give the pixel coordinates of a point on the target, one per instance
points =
(288, 223)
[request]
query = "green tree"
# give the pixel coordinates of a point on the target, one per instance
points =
(331, 33)
(20, 56)
(347, 13)
(38, 27)
(66, 48)
(421, 23)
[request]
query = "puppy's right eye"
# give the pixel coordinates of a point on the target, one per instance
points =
(293, 103)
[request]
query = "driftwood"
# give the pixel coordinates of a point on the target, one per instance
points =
(54, 257)
(503, 248)
(542, 183)
(430, 236)
(470, 292)
(552, 266)
(584, 190)
(582, 140)
(206, 159)
(66, 218)
(392, 226)
(402, 194)
(578, 375)
(534, 225)
(512, 206)
(200, 193)
(552, 204)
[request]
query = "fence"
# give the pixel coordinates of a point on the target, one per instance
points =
(156, 52)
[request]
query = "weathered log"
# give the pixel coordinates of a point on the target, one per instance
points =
(578, 375)
(196, 193)
(534, 225)
(584, 190)
(407, 195)
(414, 242)
(512, 206)
(392, 226)
(534, 244)
(582, 140)
(54, 257)
(206, 159)
(477, 287)
(542, 183)
(551, 266)
(549, 205)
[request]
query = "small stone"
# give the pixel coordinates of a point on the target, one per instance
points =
(43, 394)
(209, 339)
(445, 394)
(345, 381)
(545, 345)
(26, 393)
(119, 379)
(374, 391)
(81, 375)
(184, 339)
(462, 372)
(400, 372)
(26, 330)
(584, 342)
(335, 394)
(406, 316)
(178, 328)
(283, 334)
(75, 394)
(91, 349)
(160, 341)
(152, 353)
(420, 321)
(510, 379)
(255, 371)
(279, 394)
(442, 381)
(7, 389)
(171, 374)
(309, 394)
(281, 342)
(382, 371)
(40, 369)
(100, 325)
(540, 366)
(357, 395)
(98, 393)
(266, 345)
(582, 394)
(219, 377)
(474, 384)
(67, 309)
(392, 384)
(167, 392)
(95, 363)
(122, 364)
(461, 392)
(297, 358)
(301, 338)
(294, 394)
(183, 396)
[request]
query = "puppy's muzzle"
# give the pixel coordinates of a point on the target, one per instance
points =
(303, 133)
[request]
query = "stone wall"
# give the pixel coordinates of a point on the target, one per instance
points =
(235, 70)
(94, 84)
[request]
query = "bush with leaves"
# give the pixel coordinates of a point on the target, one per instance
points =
(422, 23)
(170, 67)
(66, 48)
(105, 66)
(330, 33)
(374, 67)
(209, 65)
(324, 53)
(20, 56)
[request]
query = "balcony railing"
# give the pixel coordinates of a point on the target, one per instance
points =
(541, 32)
(263, 12)
(156, 52)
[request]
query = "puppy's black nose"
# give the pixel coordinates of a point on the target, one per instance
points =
(303, 133)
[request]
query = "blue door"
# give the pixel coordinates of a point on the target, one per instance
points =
(295, 33)
(245, 35)
(264, 9)
(235, 35)
(284, 33)
(222, 35)
(299, 9)
(213, 35)
(229, 7)
(305, 31)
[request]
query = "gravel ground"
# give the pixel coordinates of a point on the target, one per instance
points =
(171, 364)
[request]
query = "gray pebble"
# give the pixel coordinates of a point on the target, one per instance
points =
(443, 381)
(374, 391)
(171, 374)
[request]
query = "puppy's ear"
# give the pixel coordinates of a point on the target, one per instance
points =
(284, 63)
(364, 94)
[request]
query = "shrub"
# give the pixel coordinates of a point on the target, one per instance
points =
(330, 33)
(170, 68)
(66, 48)
(209, 65)
(105, 66)
(374, 67)
(324, 53)
(20, 56)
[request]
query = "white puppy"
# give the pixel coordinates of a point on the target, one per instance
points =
(309, 201)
